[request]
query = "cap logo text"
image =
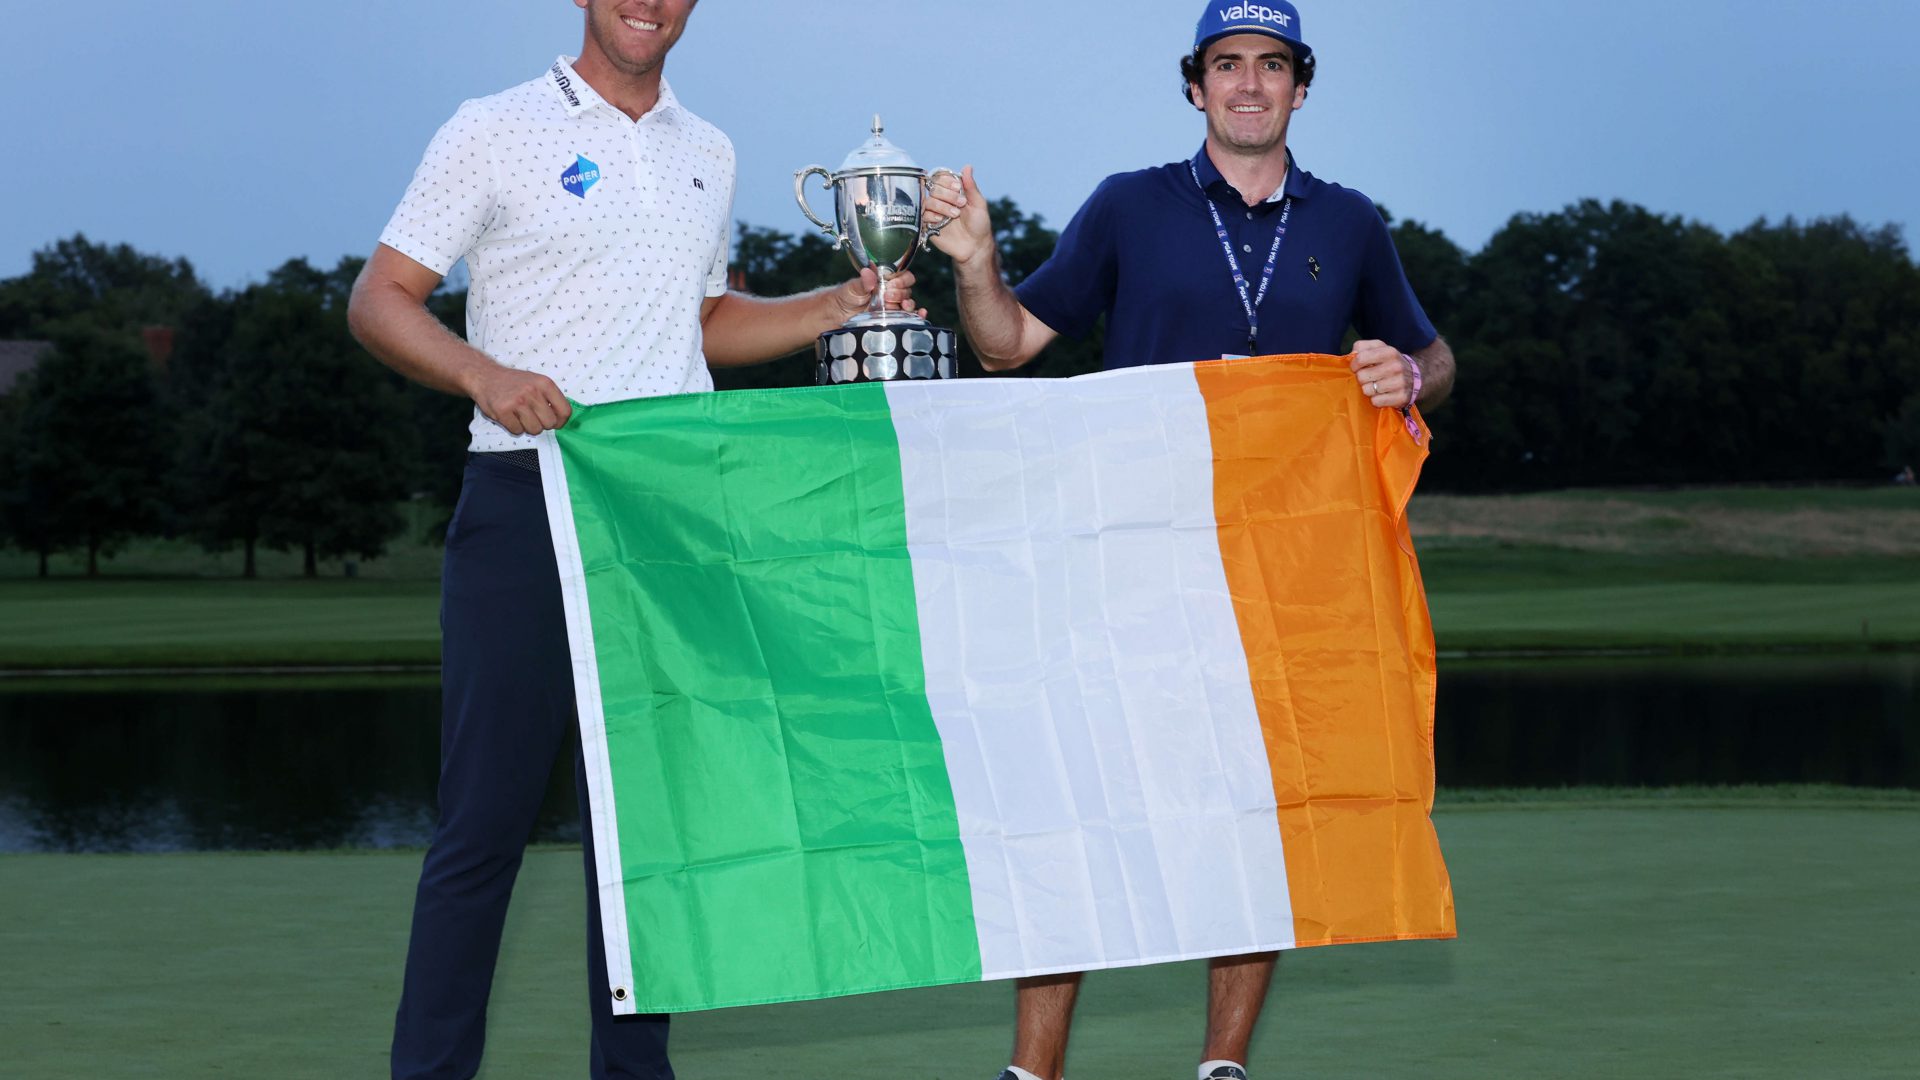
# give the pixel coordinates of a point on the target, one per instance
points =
(1256, 12)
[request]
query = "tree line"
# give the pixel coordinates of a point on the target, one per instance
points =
(255, 420)
(1601, 344)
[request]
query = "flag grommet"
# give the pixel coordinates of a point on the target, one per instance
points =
(619, 993)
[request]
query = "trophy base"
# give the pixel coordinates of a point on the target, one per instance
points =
(868, 320)
(884, 349)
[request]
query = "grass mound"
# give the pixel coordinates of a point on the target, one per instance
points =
(1688, 571)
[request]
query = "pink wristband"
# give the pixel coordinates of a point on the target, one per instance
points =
(1406, 411)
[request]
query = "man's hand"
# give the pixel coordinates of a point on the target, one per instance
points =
(852, 298)
(1003, 333)
(523, 402)
(1384, 375)
(958, 208)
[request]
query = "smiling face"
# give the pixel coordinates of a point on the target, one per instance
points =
(632, 36)
(1248, 90)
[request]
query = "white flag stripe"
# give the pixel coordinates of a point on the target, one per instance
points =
(1106, 758)
(608, 875)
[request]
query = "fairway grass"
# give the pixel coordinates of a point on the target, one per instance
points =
(1533, 599)
(186, 623)
(1680, 617)
(1724, 570)
(1757, 938)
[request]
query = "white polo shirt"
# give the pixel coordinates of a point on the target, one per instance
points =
(592, 239)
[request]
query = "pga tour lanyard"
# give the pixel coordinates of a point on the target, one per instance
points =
(1250, 303)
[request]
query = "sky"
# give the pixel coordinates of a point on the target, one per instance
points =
(242, 134)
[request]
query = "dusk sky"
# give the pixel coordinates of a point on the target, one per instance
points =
(242, 134)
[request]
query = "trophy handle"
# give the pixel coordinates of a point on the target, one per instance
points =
(800, 194)
(929, 233)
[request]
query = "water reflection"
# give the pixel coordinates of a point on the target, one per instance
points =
(219, 765)
(1656, 722)
(169, 765)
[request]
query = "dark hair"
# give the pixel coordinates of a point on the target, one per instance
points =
(1192, 70)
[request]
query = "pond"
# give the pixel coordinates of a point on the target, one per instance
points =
(274, 763)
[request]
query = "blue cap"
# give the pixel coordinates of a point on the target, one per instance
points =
(1274, 18)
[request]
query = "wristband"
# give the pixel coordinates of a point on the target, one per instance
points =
(1406, 411)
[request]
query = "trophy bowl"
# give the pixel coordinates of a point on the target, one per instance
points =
(878, 193)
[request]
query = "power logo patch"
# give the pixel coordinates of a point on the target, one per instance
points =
(580, 176)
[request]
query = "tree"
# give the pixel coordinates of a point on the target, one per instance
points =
(1903, 436)
(1608, 344)
(1834, 319)
(21, 523)
(439, 422)
(301, 441)
(110, 286)
(1436, 268)
(88, 448)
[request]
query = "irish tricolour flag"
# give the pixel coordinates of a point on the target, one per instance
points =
(916, 683)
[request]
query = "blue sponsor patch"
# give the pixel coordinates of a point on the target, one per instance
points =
(580, 176)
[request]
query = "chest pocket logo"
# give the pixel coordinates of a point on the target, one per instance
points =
(580, 176)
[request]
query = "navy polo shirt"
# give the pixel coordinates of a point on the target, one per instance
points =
(1144, 250)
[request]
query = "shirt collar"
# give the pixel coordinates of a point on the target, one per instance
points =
(570, 88)
(1294, 186)
(667, 104)
(577, 97)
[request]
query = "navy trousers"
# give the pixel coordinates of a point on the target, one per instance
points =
(507, 709)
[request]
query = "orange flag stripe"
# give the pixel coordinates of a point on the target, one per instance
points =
(1339, 644)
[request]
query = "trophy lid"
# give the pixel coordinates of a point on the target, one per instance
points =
(878, 153)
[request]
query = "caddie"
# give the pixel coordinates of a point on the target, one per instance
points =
(1235, 251)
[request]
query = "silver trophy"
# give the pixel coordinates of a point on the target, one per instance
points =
(877, 196)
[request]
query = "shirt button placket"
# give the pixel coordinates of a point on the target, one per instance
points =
(649, 190)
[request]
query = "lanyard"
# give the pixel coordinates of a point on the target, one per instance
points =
(1250, 303)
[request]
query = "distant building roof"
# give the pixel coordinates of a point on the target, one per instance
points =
(17, 358)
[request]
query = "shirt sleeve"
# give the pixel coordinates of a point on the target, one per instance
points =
(1075, 286)
(452, 198)
(1388, 310)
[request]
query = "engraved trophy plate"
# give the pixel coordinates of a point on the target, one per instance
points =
(878, 193)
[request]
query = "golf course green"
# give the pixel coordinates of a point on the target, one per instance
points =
(1744, 934)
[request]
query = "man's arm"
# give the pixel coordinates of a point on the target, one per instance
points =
(1388, 380)
(388, 315)
(1436, 372)
(740, 329)
(1003, 333)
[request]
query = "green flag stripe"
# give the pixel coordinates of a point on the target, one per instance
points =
(786, 826)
